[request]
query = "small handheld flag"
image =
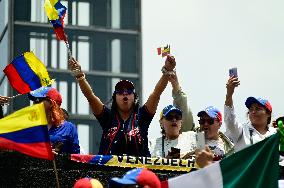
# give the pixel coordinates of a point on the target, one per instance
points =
(164, 51)
(27, 73)
(55, 12)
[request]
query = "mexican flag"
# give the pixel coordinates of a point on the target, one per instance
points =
(255, 167)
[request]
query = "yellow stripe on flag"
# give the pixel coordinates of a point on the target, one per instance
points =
(25, 118)
(50, 10)
(38, 68)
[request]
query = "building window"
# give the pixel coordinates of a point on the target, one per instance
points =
(83, 134)
(3, 15)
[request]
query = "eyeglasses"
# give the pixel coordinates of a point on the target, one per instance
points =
(173, 116)
(122, 91)
(209, 121)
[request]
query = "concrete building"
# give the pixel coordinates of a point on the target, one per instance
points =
(104, 35)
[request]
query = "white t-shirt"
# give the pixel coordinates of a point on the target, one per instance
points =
(242, 134)
(186, 142)
(216, 146)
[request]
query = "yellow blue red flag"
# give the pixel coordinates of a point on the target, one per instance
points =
(55, 12)
(25, 131)
(164, 51)
(27, 73)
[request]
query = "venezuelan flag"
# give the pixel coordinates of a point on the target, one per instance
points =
(92, 159)
(25, 131)
(55, 12)
(27, 73)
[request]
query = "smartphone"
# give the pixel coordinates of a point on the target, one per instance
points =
(200, 140)
(233, 72)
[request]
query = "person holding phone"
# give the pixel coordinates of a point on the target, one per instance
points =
(210, 121)
(256, 128)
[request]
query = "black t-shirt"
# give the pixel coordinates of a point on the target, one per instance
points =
(129, 137)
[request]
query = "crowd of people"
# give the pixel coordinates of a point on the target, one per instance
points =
(125, 124)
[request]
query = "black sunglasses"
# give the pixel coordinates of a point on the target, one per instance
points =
(170, 117)
(209, 121)
(122, 91)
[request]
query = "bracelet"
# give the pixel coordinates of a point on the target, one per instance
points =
(164, 70)
(82, 77)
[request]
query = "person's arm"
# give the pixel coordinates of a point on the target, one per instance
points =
(4, 99)
(232, 83)
(180, 101)
(233, 129)
(154, 98)
(94, 101)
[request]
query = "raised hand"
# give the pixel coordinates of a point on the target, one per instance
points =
(4, 99)
(232, 83)
(170, 63)
(204, 157)
(75, 67)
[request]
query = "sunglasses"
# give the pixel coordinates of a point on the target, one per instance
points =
(173, 116)
(209, 121)
(122, 91)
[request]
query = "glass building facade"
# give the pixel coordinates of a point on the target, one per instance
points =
(105, 37)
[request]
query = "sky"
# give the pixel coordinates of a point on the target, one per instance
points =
(207, 38)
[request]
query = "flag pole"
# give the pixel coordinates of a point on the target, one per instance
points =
(56, 174)
(16, 96)
(68, 49)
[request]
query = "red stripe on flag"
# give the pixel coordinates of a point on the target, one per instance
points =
(159, 51)
(81, 158)
(39, 150)
(60, 34)
(15, 80)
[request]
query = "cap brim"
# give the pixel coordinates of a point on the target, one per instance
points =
(173, 110)
(121, 181)
(40, 92)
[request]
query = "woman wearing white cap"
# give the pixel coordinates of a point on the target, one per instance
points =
(256, 128)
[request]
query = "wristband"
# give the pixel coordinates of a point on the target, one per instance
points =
(81, 77)
(164, 70)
